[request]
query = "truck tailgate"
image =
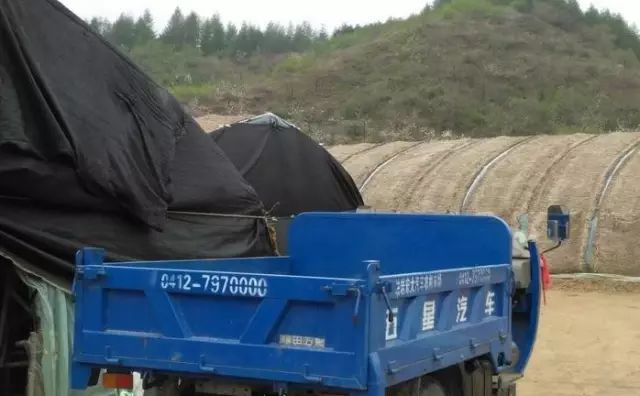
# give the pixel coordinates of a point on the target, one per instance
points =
(253, 325)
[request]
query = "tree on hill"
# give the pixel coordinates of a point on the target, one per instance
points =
(275, 39)
(192, 30)
(345, 28)
(144, 29)
(123, 32)
(213, 36)
(439, 3)
(291, 30)
(248, 40)
(302, 37)
(322, 34)
(174, 33)
(209, 35)
(625, 36)
(100, 25)
(230, 37)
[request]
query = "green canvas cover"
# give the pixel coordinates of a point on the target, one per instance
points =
(51, 344)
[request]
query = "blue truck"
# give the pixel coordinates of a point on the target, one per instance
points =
(363, 304)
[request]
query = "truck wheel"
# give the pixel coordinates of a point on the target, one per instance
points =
(431, 387)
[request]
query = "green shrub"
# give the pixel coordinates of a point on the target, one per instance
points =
(294, 63)
(482, 8)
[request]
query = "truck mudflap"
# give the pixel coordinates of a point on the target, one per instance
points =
(270, 319)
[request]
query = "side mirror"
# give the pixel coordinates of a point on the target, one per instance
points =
(558, 223)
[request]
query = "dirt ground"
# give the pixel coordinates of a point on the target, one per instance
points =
(211, 122)
(588, 344)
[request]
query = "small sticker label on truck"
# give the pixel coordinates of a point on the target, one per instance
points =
(215, 284)
(391, 332)
(474, 277)
(302, 341)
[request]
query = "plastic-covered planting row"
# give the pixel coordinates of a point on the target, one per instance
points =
(593, 175)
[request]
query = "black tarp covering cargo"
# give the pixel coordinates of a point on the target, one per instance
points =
(92, 152)
(290, 172)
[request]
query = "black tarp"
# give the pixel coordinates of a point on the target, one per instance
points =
(290, 172)
(92, 152)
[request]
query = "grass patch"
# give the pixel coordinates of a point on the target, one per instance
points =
(482, 8)
(187, 93)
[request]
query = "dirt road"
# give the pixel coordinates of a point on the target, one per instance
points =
(588, 345)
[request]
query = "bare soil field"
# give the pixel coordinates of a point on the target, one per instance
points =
(509, 176)
(576, 183)
(344, 152)
(619, 222)
(395, 184)
(588, 343)
(363, 163)
(445, 187)
(526, 169)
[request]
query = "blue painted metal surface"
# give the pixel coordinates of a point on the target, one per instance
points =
(364, 301)
(558, 223)
(526, 314)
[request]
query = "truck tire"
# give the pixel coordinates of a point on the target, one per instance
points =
(481, 378)
(431, 387)
(425, 386)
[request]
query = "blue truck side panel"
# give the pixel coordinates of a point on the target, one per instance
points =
(526, 314)
(336, 243)
(364, 301)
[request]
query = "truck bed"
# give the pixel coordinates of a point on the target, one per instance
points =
(364, 301)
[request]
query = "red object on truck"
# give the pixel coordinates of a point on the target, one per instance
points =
(546, 276)
(546, 273)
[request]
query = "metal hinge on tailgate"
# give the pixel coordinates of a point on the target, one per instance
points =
(90, 273)
(345, 289)
(375, 285)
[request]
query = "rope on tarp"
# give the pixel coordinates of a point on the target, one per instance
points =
(265, 217)
(185, 213)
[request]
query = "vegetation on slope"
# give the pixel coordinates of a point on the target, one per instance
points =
(471, 67)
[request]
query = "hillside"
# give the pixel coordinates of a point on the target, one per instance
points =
(468, 67)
